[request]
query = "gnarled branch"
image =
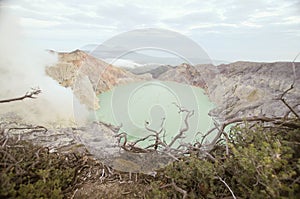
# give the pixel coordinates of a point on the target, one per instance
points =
(30, 94)
(290, 88)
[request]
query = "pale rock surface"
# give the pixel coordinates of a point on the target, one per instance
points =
(101, 75)
(245, 89)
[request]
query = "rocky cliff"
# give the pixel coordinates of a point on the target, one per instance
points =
(238, 89)
(89, 76)
(184, 73)
(251, 89)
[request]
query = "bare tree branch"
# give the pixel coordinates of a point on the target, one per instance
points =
(158, 141)
(157, 138)
(180, 190)
(186, 128)
(233, 196)
(184, 192)
(120, 136)
(30, 94)
(290, 108)
(290, 88)
(275, 120)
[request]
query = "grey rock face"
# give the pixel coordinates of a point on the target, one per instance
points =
(245, 89)
(240, 89)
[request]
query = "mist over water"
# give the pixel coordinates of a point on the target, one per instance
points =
(22, 67)
(134, 104)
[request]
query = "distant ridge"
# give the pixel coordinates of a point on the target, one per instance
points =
(138, 57)
(238, 89)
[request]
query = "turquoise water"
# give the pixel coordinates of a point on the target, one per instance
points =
(134, 104)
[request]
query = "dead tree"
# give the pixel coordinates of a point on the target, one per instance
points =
(158, 138)
(30, 94)
(289, 89)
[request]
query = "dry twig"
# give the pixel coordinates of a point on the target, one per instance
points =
(184, 192)
(183, 130)
(233, 196)
(275, 120)
(290, 88)
(180, 190)
(30, 94)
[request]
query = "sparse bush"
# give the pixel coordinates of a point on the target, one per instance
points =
(29, 171)
(263, 163)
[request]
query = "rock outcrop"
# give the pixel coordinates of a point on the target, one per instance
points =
(245, 89)
(85, 74)
(184, 73)
(240, 89)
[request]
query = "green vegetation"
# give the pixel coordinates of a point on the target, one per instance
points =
(29, 171)
(258, 160)
(263, 162)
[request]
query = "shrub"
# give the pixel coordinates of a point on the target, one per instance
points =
(263, 162)
(29, 171)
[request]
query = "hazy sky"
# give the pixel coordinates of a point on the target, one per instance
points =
(227, 30)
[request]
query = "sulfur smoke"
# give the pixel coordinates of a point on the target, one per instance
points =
(22, 67)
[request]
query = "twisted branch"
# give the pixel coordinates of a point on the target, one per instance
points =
(290, 88)
(30, 94)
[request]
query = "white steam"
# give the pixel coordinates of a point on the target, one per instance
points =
(22, 67)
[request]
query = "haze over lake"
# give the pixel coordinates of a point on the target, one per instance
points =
(134, 104)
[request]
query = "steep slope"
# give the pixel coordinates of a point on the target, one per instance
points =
(184, 73)
(248, 88)
(89, 76)
(240, 89)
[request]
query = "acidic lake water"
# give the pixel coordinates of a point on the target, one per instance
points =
(134, 104)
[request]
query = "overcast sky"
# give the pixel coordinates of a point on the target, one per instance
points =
(227, 30)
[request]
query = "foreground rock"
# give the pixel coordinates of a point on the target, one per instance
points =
(99, 138)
